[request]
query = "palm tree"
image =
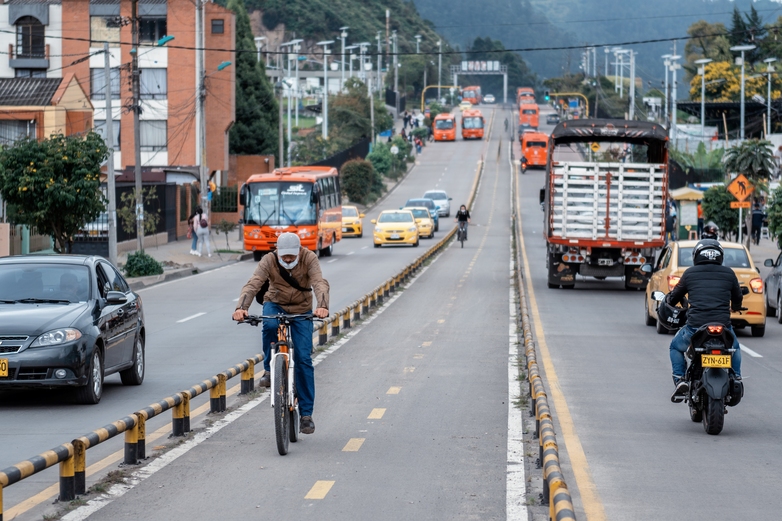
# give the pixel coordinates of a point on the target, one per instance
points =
(755, 159)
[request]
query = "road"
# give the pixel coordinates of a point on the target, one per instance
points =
(637, 456)
(190, 336)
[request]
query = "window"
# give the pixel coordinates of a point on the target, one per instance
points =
(154, 83)
(13, 130)
(218, 26)
(98, 84)
(30, 73)
(109, 280)
(151, 29)
(100, 128)
(443, 124)
(154, 135)
(105, 29)
(30, 42)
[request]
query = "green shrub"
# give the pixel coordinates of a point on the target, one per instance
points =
(420, 132)
(360, 181)
(381, 158)
(775, 215)
(716, 208)
(141, 265)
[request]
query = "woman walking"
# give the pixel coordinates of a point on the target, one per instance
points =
(191, 233)
(202, 231)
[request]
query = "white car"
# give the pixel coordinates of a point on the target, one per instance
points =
(489, 98)
(442, 201)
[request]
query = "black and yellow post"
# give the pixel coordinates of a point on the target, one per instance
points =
(357, 310)
(214, 398)
(373, 299)
(379, 297)
(79, 466)
(248, 378)
(67, 480)
(178, 418)
(335, 326)
(221, 382)
(141, 444)
(323, 334)
(131, 443)
(186, 412)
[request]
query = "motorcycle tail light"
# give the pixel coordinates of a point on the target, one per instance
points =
(673, 280)
(756, 285)
(715, 330)
(716, 352)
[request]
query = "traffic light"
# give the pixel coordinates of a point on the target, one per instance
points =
(546, 95)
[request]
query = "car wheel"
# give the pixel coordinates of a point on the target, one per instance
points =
(360, 235)
(648, 319)
(377, 246)
(91, 393)
(758, 331)
(437, 226)
(415, 244)
(779, 308)
(134, 375)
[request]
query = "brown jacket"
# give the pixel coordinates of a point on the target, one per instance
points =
(307, 273)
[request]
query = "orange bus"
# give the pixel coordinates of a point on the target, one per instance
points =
(525, 95)
(472, 94)
(472, 124)
(529, 116)
(305, 200)
(444, 127)
(534, 146)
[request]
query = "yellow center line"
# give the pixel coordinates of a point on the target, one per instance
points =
(376, 414)
(409, 369)
(426, 344)
(393, 390)
(353, 444)
(590, 497)
(319, 490)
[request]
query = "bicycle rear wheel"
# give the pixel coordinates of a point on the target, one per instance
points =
(281, 412)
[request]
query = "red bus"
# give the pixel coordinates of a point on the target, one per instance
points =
(472, 94)
(529, 116)
(305, 200)
(472, 124)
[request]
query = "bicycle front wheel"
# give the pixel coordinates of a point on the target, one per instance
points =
(281, 411)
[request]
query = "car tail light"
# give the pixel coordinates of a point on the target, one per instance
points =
(673, 280)
(715, 330)
(756, 285)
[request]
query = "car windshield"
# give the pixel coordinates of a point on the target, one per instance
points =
(444, 124)
(395, 217)
(349, 212)
(420, 214)
(472, 122)
(428, 203)
(48, 282)
(280, 204)
(734, 258)
(436, 195)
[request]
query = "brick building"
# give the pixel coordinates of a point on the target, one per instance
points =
(60, 38)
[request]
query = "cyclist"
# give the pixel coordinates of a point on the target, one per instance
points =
(506, 124)
(463, 218)
(303, 270)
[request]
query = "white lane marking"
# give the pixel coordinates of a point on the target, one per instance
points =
(332, 260)
(191, 317)
(236, 299)
(364, 247)
(351, 253)
(750, 352)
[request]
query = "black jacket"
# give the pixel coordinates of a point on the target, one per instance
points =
(712, 291)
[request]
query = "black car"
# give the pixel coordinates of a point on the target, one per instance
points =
(552, 119)
(68, 321)
(774, 287)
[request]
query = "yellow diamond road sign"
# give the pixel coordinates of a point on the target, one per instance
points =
(595, 147)
(740, 188)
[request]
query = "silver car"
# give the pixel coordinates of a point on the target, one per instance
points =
(442, 200)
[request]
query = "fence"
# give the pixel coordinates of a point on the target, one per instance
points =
(72, 456)
(391, 100)
(225, 199)
(358, 151)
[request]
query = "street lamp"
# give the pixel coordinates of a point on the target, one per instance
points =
(439, 67)
(740, 61)
(259, 45)
(351, 57)
(288, 88)
(417, 43)
(666, 62)
(343, 34)
(326, 51)
(769, 70)
(702, 71)
(674, 67)
(363, 46)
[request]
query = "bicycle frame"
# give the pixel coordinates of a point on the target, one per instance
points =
(283, 347)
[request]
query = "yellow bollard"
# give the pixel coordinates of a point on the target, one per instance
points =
(131, 443)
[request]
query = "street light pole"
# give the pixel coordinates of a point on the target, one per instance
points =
(674, 67)
(112, 210)
(259, 45)
(702, 71)
(325, 44)
(396, 76)
(667, 63)
(439, 68)
(769, 70)
(742, 49)
(418, 44)
(343, 34)
(296, 49)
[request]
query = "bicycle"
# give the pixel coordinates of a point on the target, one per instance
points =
(283, 385)
(461, 235)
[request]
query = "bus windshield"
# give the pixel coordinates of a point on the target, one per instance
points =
(541, 144)
(280, 204)
(472, 122)
(529, 111)
(468, 94)
(443, 124)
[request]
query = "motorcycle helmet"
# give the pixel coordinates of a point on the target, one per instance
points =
(672, 317)
(710, 231)
(707, 251)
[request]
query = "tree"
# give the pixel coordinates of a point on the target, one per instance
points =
(755, 159)
(226, 227)
(349, 113)
(519, 74)
(257, 112)
(738, 28)
(359, 181)
(126, 211)
(730, 89)
(775, 215)
(55, 183)
(716, 208)
(707, 41)
(700, 159)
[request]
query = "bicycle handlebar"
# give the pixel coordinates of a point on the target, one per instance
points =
(256, 320)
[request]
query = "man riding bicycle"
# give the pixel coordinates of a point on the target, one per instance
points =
(463, 217)
(294, 297)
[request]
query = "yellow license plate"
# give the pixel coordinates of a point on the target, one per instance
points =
(722, 361)
(3, 367)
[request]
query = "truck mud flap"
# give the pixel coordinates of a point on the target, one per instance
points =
(560, 272)
(635, 278)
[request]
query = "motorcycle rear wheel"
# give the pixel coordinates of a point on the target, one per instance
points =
(713, 416)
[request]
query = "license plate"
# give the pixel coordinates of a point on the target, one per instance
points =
(3, 367)
(344, 230)
(721, 361)
(394, 235)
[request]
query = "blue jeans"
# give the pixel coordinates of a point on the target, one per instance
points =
(681, 342)
(195, 241)
(303, 372)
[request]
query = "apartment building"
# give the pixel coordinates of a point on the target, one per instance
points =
(64, 39)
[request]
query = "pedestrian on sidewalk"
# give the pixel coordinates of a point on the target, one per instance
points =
(418, 145)
(202, 231)
(402, 133)
(191, 233)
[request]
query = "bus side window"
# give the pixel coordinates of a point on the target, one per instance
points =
(338, 191)
(330, 188)
(324, 199)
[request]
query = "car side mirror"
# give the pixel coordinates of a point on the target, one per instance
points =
(450, 198)
(646, 268)
(769, 263)
(659, 296)
(116, 297)
(243, 195)
(744, 290)
(401, 208)
(361, 216)
(373, 221)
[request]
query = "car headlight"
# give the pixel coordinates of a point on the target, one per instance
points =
(378, 230)
(56, 337)
(414, 228)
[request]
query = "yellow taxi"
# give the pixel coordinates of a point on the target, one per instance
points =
(465, 105)
(676, 257)
(395, 227)
(424, 220)
(352, 225)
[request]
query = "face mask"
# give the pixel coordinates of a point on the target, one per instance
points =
(288, 265)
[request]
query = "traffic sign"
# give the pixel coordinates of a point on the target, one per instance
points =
(735, 205)
(595, 147)
(394, 149)
(741, 188)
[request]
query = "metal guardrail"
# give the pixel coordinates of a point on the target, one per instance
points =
(72, 456)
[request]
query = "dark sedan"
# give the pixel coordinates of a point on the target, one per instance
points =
(428, 203)
(774, 288)
(68, 321)
(552, 119)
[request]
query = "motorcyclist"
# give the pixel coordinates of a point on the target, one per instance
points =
(463, 216)
(710, 231)
(710, 288)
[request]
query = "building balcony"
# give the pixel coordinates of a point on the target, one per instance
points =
(35, 57)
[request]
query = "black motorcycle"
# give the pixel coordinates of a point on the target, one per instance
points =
(713, 386)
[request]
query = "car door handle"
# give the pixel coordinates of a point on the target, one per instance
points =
(120, 312)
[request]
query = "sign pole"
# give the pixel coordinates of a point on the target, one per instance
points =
(741, 218)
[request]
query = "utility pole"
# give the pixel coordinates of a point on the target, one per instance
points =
(632, 84)
(396, 78)
(379, 62)
(371, 108)
(135, 87)
(326, 51)
(279, 88)
(201, 61)
(343, 34)
(110, 166)
(439, 68)
(667, 64)
(418, 44)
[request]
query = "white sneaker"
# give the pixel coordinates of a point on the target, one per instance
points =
(209, 255)
(192, 252)
(198, 253)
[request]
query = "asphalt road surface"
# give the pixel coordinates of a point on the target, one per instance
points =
(190, 335)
